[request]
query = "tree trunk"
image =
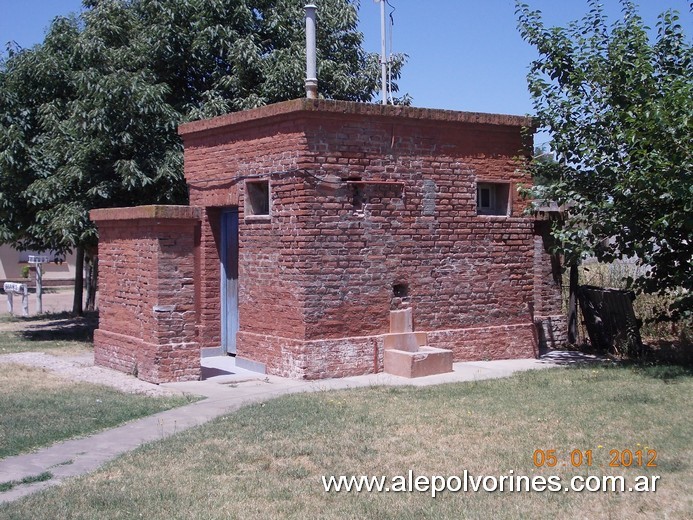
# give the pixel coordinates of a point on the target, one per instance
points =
(79, 282)
(572, 305)
(91, 281)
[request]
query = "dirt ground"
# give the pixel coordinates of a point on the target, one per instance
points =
(76, 363)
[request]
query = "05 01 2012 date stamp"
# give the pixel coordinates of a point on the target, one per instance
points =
(626, 458)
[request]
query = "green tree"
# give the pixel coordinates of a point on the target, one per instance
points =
(618, 106)
(88, 118)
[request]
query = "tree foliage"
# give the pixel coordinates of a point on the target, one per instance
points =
(88, 118)
(619, 107)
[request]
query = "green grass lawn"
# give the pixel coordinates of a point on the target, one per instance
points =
(38, 409)
(266, 460)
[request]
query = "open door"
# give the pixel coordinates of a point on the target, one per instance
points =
(229, 280)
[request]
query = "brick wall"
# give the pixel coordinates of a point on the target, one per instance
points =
(147, 312)
(365, 198)
(216, 168)
(551, 322)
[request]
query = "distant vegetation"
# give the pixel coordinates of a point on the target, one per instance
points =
(618, 108)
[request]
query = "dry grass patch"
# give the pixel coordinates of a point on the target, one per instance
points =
(266, 460)
(38, 408)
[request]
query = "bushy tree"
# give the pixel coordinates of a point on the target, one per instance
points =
(88, 118)
(618, 106)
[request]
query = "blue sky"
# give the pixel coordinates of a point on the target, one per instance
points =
(463, 54)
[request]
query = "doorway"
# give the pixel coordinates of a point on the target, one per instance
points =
(229, 280)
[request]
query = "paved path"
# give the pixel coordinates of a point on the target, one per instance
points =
(226, 389)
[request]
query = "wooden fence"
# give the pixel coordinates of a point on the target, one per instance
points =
(610, 320)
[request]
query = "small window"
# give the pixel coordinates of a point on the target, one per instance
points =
(257, 198)
(359, 197)
(492, 198)
(400, 290)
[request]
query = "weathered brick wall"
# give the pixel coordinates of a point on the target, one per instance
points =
(316, 359)
(365, 198)
(488, 343)
(208, 280)
(550, 320)
(216, 168)
(147, 314)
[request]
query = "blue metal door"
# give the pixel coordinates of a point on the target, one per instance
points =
(229, 280)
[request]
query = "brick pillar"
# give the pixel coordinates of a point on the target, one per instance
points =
(550, 320)
(147, 298)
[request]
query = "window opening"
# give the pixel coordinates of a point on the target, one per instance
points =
(493, 198)
(257, 198)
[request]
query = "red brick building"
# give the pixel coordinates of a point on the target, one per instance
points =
(310, 221)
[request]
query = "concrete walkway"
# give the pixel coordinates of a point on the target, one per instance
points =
(226, 389)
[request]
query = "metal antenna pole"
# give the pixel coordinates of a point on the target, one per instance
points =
(383, 53)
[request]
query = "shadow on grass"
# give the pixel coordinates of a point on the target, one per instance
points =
(670, 352)
(651, 365)
(574, 358)
(666, 372)
(663, 371)
(63, 326)
(64, 315)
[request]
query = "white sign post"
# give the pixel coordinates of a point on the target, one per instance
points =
(37, 260)
(17, 288)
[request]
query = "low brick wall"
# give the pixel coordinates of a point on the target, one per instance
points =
(147, 313)
(353, 356)
(488, 343)
(314, 359)
(552, 332)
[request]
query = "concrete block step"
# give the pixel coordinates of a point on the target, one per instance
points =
(408, 341)
(427, 361)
